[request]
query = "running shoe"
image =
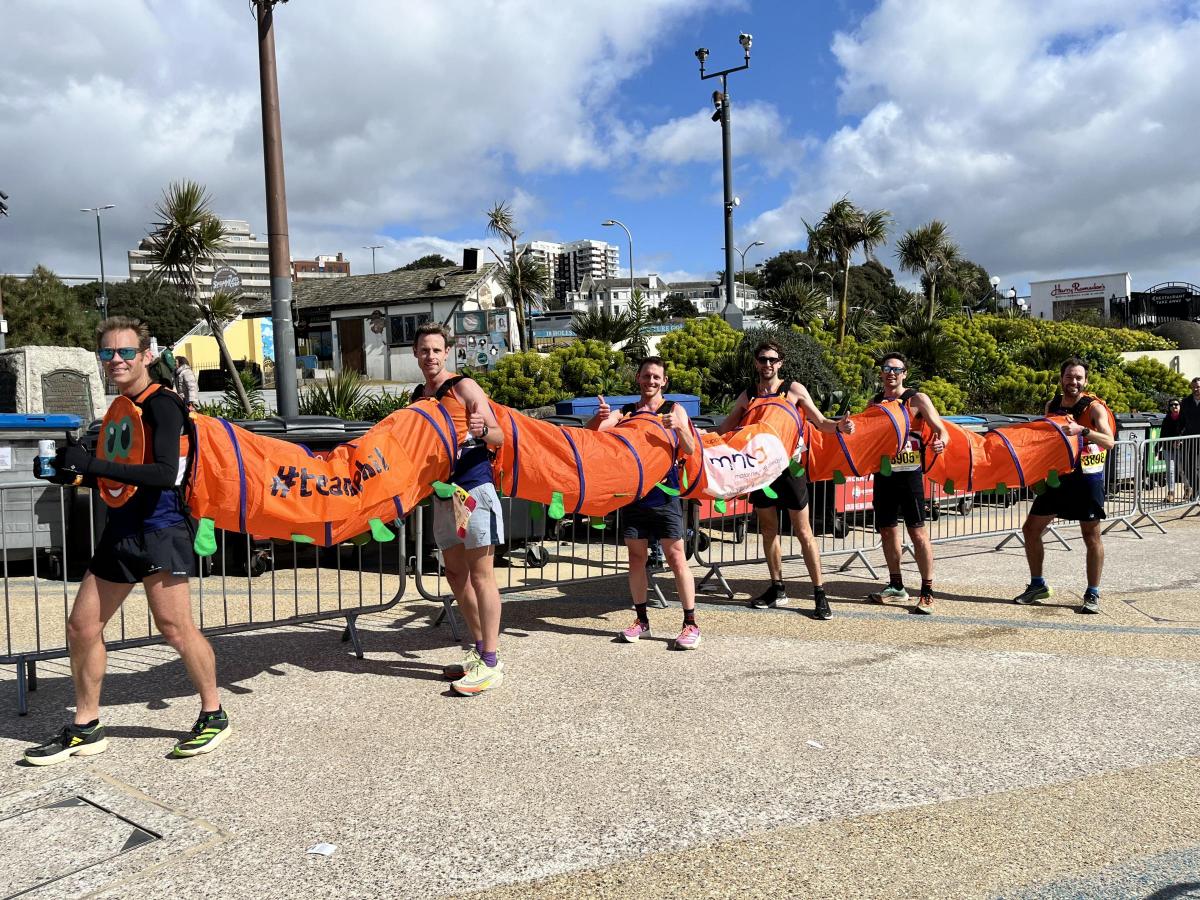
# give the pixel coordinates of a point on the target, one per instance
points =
(636, 631)
(1091, 603)
(71, 741)
(689, 638)
(888, 594)
(454, 671)
(821, 610)
(1032, 595)
(208, 732)
(479, 677)
(774, 595)
(924, 605)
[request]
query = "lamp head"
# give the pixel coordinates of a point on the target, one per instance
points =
(745, 40)
(608, 222)
(757, 244)
(995, 280)
(702, 55)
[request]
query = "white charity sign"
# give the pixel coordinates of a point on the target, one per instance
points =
(735, 471)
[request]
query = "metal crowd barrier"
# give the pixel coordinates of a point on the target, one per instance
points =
(48, 534)
(47, 537)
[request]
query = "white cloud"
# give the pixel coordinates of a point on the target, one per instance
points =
(1053, 136)
(415, 116)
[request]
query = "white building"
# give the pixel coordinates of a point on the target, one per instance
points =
(709, 296)
(1057, 298)
(612, 295)
(243, 252)
(567, 265)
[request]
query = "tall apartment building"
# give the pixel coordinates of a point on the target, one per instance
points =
(249, 257)
(569, 264)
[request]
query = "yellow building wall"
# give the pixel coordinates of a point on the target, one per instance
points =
(243, 338)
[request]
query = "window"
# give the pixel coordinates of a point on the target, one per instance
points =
(404, 328)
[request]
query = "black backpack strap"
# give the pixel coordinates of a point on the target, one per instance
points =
(417, 393)
(908, 395)
(667, 406)
(447, 386)
(878, 398)
(628, 409)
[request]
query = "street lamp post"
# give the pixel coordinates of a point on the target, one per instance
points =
(811, 275)
(742, 254)
(102, 300)
(286, 388)
(830, 277)
(731, 313)
(611, 222)
(1012, 297)
(373, 248)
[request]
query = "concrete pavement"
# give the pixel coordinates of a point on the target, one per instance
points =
(988, 750)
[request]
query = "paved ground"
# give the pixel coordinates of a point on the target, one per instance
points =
(989, 750)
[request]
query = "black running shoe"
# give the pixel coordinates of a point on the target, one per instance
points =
(774, 595)
(822, 610)
(71, 741)
(1091, 603)
(210, 729)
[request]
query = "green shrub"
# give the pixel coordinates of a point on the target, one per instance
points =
(524, 380)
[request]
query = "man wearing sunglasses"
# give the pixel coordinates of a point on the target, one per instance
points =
(791, 493)
(902, 493)
(147, 538)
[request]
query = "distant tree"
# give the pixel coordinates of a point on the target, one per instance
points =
(843, 230)
(676, 306)
(789, 264)
(601, 325)
(969, 284)
(516, 271)
(928, 249)
(753, 276)
(871, 285)
(638, 345)
(42, 311)
(188, 235)
(429, 261)
(793, 304)
(166, 311)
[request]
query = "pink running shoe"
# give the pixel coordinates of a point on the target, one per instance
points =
(689, 638)
(635, 631)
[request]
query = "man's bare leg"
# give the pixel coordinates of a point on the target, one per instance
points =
(171, 605)
(95, 603)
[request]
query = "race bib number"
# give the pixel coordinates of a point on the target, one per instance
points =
(909, 457)
(1093, 459)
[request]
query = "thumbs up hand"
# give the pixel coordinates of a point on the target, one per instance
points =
(603, 410)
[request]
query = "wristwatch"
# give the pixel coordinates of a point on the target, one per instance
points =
(484, 433)
(1085, 432)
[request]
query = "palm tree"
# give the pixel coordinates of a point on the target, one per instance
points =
(638, 345)
(601, 325)
(794, 303)
(841, 231)
(186, 236)
(514, 274)
(928, 250)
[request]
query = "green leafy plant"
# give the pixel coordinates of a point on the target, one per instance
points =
(341, 396)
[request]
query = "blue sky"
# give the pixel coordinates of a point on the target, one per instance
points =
(1053, 136)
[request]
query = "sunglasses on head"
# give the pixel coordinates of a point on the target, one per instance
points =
(770, 360)
(129, 354)
(896, 370)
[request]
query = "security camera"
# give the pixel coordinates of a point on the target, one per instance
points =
(702, 55)
(745, 40)
(737, 201)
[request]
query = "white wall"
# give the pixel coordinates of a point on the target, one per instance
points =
(1185, 362)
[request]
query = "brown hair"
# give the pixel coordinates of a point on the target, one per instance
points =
(767, 345)
(432, 328)
(652, 361)
(124, 323)
(1073, 361)
(894, 355)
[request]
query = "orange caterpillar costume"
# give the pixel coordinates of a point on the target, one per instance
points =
(255, 484)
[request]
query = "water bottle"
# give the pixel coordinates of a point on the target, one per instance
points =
(45, 458)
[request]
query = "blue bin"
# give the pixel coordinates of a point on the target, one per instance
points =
(587, 406)
(54, 422)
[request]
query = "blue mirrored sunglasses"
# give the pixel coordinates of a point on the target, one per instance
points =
(129, 354)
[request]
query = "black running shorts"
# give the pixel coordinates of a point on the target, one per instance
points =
(1077, 497)
(657, 522)
(899, 495)
(128, 560)
(792, 493)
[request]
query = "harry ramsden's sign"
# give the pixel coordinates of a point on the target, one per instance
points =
(1075, 289)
